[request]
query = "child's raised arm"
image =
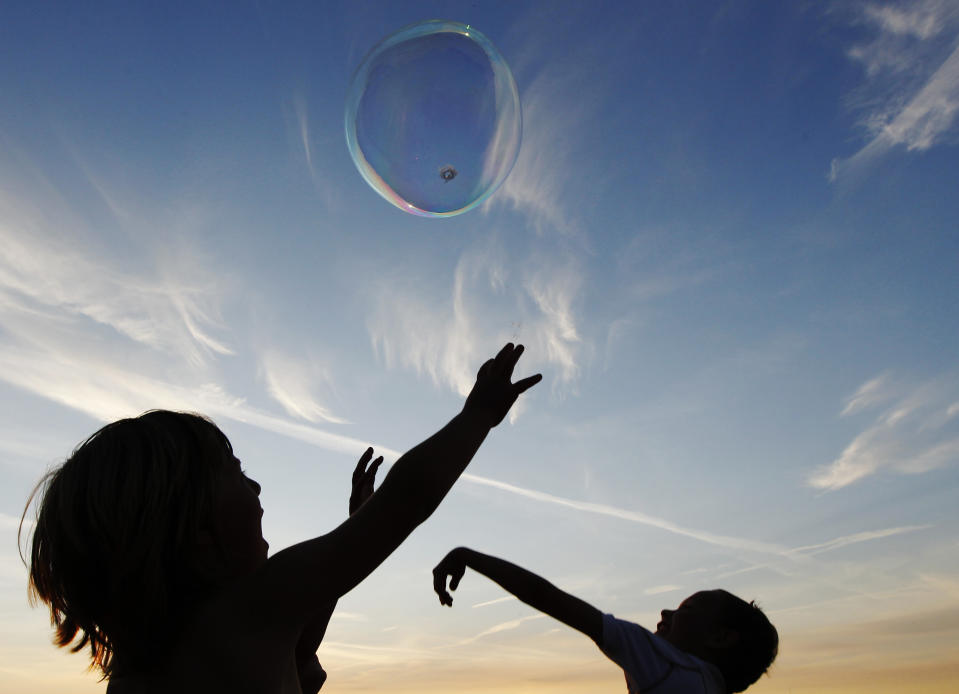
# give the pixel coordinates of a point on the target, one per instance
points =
(302, 579)
(311, 673)
(534, 590)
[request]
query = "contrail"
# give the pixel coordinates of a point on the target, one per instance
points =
(726, 541)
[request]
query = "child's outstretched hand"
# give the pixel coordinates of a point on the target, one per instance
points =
(494, 392)
(454, 566)
(363, 478)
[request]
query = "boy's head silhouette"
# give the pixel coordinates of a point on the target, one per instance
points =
(144, 518)
(723, 629)
(713, 642)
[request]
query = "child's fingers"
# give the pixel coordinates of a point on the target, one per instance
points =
(512, 358)
(504, 353)
(439, 583)
(367, 479)
(527, 383)
(360, 468)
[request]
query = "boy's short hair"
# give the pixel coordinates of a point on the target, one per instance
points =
(116, 532)
(756, 647)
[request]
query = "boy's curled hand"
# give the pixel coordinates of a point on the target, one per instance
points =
(454, 566)
(494, 392)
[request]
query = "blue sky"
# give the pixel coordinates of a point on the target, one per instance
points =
(729, 243)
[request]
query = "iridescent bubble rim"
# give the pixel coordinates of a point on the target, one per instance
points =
(505, 89)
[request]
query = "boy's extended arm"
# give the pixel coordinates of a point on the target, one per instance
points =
(534, 590)
(298, 580)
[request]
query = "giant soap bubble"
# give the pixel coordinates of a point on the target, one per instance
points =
(433, 119)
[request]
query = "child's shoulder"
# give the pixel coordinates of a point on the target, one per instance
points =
(651, 661)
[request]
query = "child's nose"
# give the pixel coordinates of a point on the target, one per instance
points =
(253, 483)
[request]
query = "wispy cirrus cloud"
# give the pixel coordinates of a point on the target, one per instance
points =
(659, 590)
(112, 333)
(562, 100)
(871, 393)
(48, 277)
(446, 336)
(911, 94)
(856, 538)
(725, 541)
(509, 625)
(293, 383)
(916, 430)
(106, 391)
(314, 149)
(827, 546)
(508, 598)
(438, 337)
(537, 185)
(554, 331)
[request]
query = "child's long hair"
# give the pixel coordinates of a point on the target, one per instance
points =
(116, 535)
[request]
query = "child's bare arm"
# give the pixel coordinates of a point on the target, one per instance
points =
(534, 590)
(297, 581)
(311, 673)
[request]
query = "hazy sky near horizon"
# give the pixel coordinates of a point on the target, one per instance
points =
(729, 243)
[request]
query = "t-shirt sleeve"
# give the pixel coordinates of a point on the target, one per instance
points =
(630, 646)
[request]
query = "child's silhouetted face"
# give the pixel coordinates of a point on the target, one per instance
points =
(237, 531)
(696, 624)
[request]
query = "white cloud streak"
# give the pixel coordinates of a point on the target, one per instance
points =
(112, 335)
(659, 590)
(303, 130)
(555, 333)
(869, 394)
(913, 92)
(562, 100)
(724, 541)
(508, 598)
(856, 538)
(537, 186)
(921, 21)
(501, 627)
(108, 392)
(291, 382)
(440, 338)
(53, 279)
(436, 338)
(916, 432)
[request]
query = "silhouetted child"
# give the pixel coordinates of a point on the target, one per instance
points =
(713, 642)
(148, 549)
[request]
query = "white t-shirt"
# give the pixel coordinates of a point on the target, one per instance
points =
(652, 664)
